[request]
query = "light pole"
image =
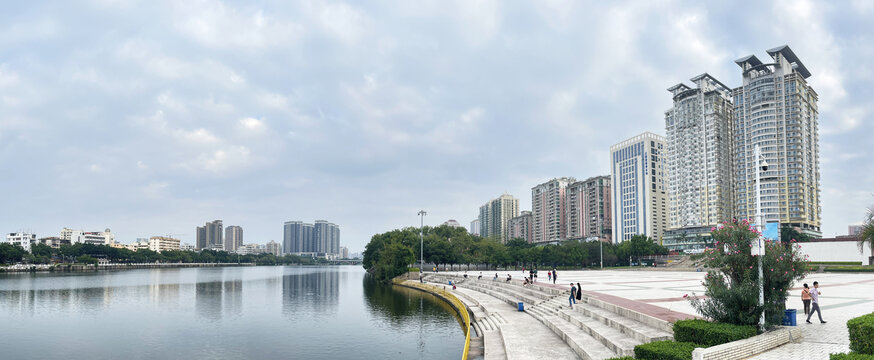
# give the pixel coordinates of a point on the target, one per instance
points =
(422, 214)
(762, 165)
(600, 233)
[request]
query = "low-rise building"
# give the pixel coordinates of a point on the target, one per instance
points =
(163, 243)
(186, 247)
(94, 237)
(53, 241)
(24, 240)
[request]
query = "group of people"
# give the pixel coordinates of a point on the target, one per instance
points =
(811, 296)
(576, 294)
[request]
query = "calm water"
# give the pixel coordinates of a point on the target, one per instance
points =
(221, 313)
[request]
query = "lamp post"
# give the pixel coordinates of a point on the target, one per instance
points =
(761, 165)
(422, 214)
(600, 232)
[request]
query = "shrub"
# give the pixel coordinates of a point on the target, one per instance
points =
(664, 350)
(622, 358)
(850, 356)
(709, 333)
(862, 334)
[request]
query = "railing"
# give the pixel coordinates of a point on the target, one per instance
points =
(454, 301)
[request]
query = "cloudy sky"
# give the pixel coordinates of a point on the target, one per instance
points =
(152, 117)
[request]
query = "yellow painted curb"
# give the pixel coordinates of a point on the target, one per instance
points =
(451, 299)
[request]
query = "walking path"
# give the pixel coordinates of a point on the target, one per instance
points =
(661, 294)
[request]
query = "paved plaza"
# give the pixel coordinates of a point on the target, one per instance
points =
(844, 296)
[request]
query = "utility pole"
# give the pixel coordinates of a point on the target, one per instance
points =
(422, 214)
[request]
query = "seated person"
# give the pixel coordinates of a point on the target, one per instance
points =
(509, 278)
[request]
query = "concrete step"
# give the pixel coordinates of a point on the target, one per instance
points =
(506, 294)
(582, 343)
(493, 346)
(619, 343)
(640, 331)
(524, 294)
(648, 320)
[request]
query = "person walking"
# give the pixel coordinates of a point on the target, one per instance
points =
(554, 276)
(573, 299)
(805, 298)
(814, 296)
(549, 276)
(579, 292)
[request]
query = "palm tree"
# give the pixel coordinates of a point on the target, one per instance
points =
(867, 234)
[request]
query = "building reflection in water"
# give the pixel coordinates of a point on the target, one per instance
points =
(218, 292)
(76, 293)
(316, 293)
(164, 286)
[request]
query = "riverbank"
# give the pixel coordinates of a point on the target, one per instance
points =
(99, 267)
(453, 301)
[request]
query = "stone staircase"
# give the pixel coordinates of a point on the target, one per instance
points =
(594, 329)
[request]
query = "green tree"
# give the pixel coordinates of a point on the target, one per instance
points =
(867, 234)
(732, 284)
(41, 250)
(86, 259)
(11, 253)
(789, 233)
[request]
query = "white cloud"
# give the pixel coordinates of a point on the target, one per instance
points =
(216, 24)
(252, 124)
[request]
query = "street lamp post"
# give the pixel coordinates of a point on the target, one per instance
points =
(600, 233)
(422, 214)
(761, 165)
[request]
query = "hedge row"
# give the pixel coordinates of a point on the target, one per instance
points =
(862, 334)
(851, 356)
(665, 350)
(622, 358)
(710, 333)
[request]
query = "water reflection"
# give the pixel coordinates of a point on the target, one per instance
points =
(312, 293)
(71, 293)
(400, 305)
(218, 293)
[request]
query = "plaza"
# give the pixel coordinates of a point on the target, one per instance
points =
(844, 296)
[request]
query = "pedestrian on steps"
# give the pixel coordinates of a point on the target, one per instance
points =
(549, 276)
(554, 276)
(579, 292)
(573, 299)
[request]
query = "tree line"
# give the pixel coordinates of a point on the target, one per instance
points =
(390, 254)
(90, 253)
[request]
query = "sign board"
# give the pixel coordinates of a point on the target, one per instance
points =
(770, 232)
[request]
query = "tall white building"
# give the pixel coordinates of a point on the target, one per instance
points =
(638, 187)
(777, 110)
(496, 214)
(699, 161)
(163, 243)
(474, 227)
(24, 240)
(548, 214)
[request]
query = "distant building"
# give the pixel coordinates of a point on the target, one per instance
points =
(495, 214)
(588, 209)
(321, 237)
(344, 252)
(209, 236)
(451, 223)
(95, 237)
(474, 228)
(548, 213)
(53, 241)
(233, 238)
(854, 230)
(520, 227)
(23, 240)
(251, 249)
(638, 187)
(163, 243)
(186, 247)
(274, 248)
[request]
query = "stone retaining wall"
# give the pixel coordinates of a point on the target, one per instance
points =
(745, 348)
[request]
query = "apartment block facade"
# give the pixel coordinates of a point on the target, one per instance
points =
(776, 110)
(520, 227)
(233, 238)
(319, 239)
(495, 215)
(638, 187)
(588, 209)
(210, 236)
(548, 214)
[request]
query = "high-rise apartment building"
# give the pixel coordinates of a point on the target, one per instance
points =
(274, 248)
(588, 209)
(233, 238)
(323, 237)
(638, 187)
(520, 227)
(495, 214)
(699, 162)
(776, 109)
(210, 236)
(474, 227)
(548, 214)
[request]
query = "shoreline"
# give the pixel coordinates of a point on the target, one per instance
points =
(108, 267)
(450, 299)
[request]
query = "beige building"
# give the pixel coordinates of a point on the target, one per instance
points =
(548, 211)
(638, 187)
(588, 209)
(162, 243)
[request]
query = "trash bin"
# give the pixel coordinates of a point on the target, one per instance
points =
(521, 307)
(789, 317)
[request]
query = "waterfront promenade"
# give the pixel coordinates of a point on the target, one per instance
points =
(660, 294)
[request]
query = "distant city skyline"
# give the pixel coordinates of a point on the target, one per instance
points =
(152, 118)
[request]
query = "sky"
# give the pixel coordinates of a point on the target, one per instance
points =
(153, 117)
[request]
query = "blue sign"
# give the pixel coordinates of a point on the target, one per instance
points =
(772, 231)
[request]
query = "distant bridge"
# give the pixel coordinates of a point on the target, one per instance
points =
(345, 262)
